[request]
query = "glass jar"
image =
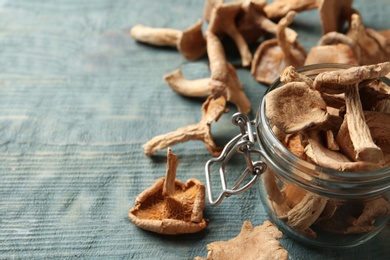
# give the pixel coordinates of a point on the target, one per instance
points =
(314, 205)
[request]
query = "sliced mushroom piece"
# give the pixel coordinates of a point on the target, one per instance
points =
(334, 14)
(279, 8)
(285, 109)
(212, 109)
(222, 22)
(274, 55)
(170, 206)
(190, 42)
(260, 242)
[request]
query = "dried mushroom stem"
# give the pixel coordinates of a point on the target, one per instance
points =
(334, 13)
(212, 109)
(334, 81)
(222, 22)
(188, 88)
(190, 42)
(364, 147)
(170, 174)
(279, 8)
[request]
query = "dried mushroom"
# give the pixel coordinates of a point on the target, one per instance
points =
(223, 80)
(170, 206)
(212, 109)
(274, 55)
(190, 42)
(374, 47)
(279, 8)
(347, 139)
(334, 47)
(285, 109)
(252, 243)
(222, 22)
(334, 14)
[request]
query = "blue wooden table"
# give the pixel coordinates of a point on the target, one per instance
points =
(79, 97)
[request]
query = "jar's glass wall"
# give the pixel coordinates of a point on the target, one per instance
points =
(316, 205)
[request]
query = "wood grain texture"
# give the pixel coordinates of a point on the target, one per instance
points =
(79, 97)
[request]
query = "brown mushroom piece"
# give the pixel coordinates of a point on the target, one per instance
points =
(334, 47)
(334, 14)
(378, 124)
(222, 22)
(372, 209)
(274, 55)
(253, 23)
(285, 109)
(209, 5)
(374, 47)
(170, 206)
(212, 109)
(279, 8)
(259, 242)
(223, 80)
(190, 42)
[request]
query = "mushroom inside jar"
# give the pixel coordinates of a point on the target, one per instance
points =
(331, 120)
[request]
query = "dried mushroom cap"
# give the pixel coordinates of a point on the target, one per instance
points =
(212, 109)
(170, 206)
(222, 22)
(258, 243)
(279, 8)
(334, 13)
(285, 109)
(339, 53)
(274, 55)
(190, 42)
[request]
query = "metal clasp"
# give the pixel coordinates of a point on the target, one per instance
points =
(243, 144)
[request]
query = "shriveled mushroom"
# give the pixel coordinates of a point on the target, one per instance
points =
(190, 42)
(209, 5)
(170, 206)
(222, 22)
(253, 243)
(285, 109)
(212, 109)
(290, 75)
(223, 80)
(374, 100)
(274, 55)
(306, 212)
(334, 47)
(372, 209)
(374, 47)
(335, 81)
(334, 13)
(279, 8)
(252, 22)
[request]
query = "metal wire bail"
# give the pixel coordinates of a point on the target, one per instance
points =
(243, 143)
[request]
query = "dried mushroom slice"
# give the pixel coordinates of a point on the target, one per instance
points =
(285, 109)
(212, 109)
(274, 55)
(190, 42)
(170, 206)
(252, 243)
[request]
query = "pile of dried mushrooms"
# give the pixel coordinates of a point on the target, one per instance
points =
(349, 109)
